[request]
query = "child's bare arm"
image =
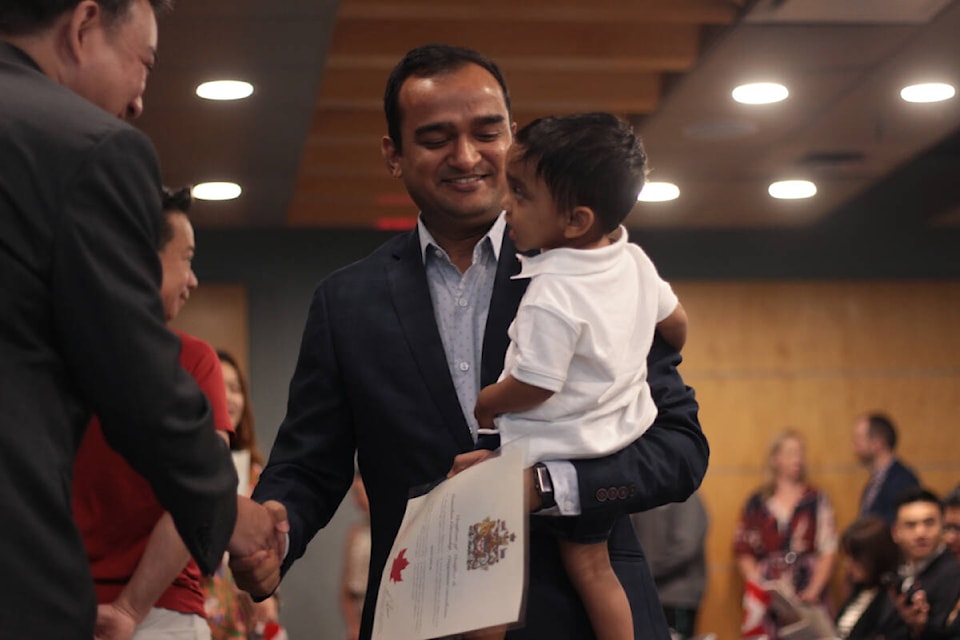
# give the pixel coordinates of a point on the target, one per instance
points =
(507, 396)
(673, 328)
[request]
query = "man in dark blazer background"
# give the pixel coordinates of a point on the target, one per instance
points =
(81, 323)
(397, 346)
(874, 443)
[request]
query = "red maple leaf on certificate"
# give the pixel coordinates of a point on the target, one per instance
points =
(399, 564)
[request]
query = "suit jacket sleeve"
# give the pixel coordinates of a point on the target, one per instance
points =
(666, 464)
(105, 280)
(311, 463)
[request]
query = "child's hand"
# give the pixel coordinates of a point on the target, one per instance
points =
(484, 418)
(482, 411)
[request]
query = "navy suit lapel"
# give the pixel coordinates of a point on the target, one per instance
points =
(411, 298)
(503, 308)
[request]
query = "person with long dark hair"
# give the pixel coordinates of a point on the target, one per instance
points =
(870, 556)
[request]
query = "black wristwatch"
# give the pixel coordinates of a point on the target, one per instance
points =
(544, 486)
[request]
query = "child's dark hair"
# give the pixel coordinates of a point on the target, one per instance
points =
(590, 159)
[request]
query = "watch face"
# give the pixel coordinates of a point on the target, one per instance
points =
(544, 486)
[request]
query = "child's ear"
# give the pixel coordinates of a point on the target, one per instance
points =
(579, 222)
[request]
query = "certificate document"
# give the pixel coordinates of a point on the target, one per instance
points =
(458, 562)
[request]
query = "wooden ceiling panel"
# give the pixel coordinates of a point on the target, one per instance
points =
(348, 123)
(559, 56)
(670, 46)
(333, 157)
(545, 92)
(500, 11)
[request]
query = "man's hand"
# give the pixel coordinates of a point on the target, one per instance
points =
(257, 574)
(258, 545)
(914, 609)
(260, 527)
(114, 623)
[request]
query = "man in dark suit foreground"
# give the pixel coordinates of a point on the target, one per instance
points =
(81, 323)
(398, 345)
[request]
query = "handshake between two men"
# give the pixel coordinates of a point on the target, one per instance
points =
(257, 546)
(259, 539)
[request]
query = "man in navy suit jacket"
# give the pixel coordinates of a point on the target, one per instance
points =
(874, 441)
(397, 346)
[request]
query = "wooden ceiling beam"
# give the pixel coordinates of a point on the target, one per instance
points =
(385, 40)
(543, 93)
(719, 12)
(655, 63)
(364, 186)
(348, 122)
(320, 157)
(357, 213)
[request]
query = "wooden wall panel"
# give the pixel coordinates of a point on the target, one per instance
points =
(217, 313)
(782, 327)
(813, 356)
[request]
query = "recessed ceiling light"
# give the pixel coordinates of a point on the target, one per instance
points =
(216, 191)
(225, 90)
(928, 92)
(658, 192)
(792, 189)
(760, 93)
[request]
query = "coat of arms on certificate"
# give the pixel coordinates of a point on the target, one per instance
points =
(487, 543)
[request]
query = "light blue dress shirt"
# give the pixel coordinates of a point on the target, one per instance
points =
(461, 302)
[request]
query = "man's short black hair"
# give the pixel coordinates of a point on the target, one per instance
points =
(590, 159)
(952, 499)
(24, 17)
(916, 494)
(880, 426)
(178, 201)
(429, 61)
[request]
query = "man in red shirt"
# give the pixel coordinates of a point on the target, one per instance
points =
(147, 585)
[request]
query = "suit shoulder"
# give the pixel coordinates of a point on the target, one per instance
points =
(41, 120)
(904, 473)
(42, 107)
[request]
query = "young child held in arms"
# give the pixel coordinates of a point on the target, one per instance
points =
(574, 380)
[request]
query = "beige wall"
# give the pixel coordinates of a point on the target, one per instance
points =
(813, 355)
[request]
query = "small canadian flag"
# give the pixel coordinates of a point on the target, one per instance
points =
(755, 603)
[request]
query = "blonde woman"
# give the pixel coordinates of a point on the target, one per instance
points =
(787, 532)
